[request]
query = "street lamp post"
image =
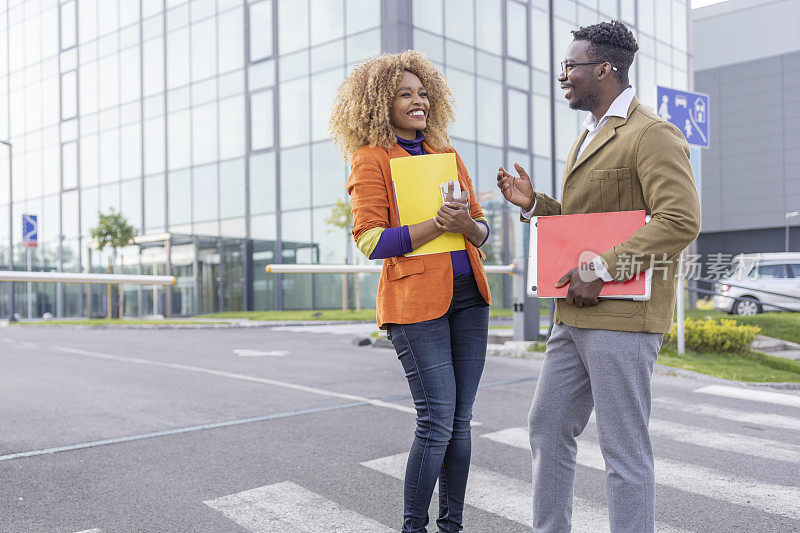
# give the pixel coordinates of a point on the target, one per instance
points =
(788, 216)
(10, 232)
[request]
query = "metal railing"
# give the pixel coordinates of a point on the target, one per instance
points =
(359, 269)
(80, 277)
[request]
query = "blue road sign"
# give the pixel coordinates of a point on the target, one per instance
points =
(688, 111)
(30, 229)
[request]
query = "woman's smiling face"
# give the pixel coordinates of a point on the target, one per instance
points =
(410, 107)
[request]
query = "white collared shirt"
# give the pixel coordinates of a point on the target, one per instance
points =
(618, 108)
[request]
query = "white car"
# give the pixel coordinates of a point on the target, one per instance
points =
(754, 273)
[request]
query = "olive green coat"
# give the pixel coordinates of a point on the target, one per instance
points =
(637, 162)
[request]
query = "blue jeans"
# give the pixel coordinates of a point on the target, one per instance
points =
(443, 360)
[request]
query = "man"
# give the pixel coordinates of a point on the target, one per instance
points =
(601, 352)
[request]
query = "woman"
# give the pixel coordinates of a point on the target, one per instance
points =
(434, 306)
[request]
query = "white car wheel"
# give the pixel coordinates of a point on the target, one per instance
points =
(746, 307)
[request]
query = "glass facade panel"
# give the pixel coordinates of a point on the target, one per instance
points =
(230, 44)
(459, 20)
(295, 178)
(69, 165)
(204, 134)
(489, 19)
(366, 14)
(323, 89)
(328, 174)
(154, 219)
(490, 122)
(179, 142)
(261, 120)
(231, 127)
(179, 187)
(69, 95)
(327, 20)
(68, 25)
(132, 201)
(204, 49)
(263, 186)
(232, 189)
(205, 193)
(516, 30)
(292, 14)
(178, 58)
(294, 112)
(260, 30)
(463, 86)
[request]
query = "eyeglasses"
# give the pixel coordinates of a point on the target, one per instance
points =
(566, 66)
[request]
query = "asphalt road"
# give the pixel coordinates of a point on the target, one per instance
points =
(296, 429)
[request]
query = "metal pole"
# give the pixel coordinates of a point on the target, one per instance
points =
(30, 285)
(681, 312)
(10, 227)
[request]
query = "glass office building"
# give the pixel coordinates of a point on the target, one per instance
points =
(204, 123)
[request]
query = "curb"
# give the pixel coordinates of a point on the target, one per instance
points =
(210, 325)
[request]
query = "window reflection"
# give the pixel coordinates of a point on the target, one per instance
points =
(178, 58)
(459, 20)
(328, 174)
(463, 86)
(69, 214)
(295, 178)
(260, 30)
(154, 203)
(204, 49)
(294, 112)
(262, 183)
(68, 27)
(366, 14)
(516, 30)
(261, 121)
(293, 18)
(132, 201)
(231, 189)
(230, 44)
(179, 147)
(204, 193)
(109, 160)
(327, 21)
(153, 63)
(180, 209)
(489, 20)
(204, 133)
(69, 95)
(131, 147)
(323, 89)
(231, 127)
(154, 145)
(490, 121)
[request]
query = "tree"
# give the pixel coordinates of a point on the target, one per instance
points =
(114, 231)
(341, 218)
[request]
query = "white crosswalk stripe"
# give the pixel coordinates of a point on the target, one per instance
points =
(770, 498)
(776, 398)
(758, 419)
(286, 507)
(729, 442)
(510, 497)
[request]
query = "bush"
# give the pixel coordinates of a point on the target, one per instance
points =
(712, 336)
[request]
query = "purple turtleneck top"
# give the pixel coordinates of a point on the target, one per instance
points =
(397, 241)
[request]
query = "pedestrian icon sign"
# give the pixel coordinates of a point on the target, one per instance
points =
(686, 110)
(30, 229)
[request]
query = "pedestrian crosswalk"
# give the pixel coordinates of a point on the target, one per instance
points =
(288, 507)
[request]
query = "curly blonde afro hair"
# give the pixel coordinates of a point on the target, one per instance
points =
(360, 114)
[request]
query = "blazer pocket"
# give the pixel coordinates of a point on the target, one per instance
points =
(401, 267)
(612, 189)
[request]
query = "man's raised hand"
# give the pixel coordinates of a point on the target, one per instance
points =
(517, 190)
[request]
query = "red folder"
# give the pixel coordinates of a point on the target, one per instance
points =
(562, 242)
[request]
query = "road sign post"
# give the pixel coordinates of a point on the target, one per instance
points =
(30, 234)
(689, 112)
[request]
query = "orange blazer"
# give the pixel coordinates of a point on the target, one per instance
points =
(417, 288)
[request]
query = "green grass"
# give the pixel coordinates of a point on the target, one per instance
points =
(537, 347)
(746, 366)
(113, 322)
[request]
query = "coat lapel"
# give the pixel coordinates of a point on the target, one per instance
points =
(608, 131)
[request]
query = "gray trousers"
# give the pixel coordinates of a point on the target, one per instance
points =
(610, 372)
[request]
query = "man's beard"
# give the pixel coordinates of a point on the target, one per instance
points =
(587, 103)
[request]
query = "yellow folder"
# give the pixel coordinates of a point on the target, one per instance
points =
(417, 187)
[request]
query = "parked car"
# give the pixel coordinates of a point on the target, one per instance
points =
(753, 273)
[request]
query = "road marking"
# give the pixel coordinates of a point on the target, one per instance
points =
(95, 530)
(286, 507)
(777, 398)
(29, 345)
(511, 498)
(243, 377)
(770, 498)
(175, 431)
(6, 339)
(758, 419)
(243, 352)
(729, 442)
(334, 329)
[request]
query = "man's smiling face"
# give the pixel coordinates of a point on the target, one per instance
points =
(580, 81)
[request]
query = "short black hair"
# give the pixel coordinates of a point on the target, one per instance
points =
(612, 42)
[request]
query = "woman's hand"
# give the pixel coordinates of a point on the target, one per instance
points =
(453, 216)
(517, 190)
